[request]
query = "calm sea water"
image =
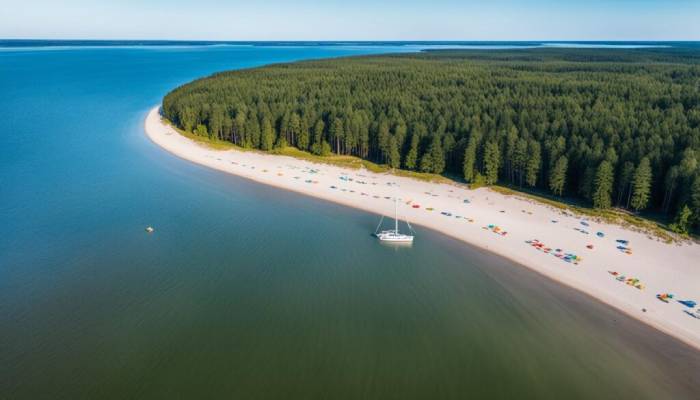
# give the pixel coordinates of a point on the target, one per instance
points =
(245, 291)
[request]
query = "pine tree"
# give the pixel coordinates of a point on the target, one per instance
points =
(201, 130)
(318, 131)
(268, 136)
(448, 146)
(624, 185)
(426, 162)
(281, 142)
(239, 123)
(394, 155)
(383, 138)
(557, 176)
(510, 150)
(641, 185)
(689, 163)
(216, 121)
(337, 133)
(318, 142)
(187, 118)
(603, 185)
(325, 149)
(682, 222)
(585, 186)
(412, 156)
(437, 156)
(294, 128)
(532, 168)
(400, 130)
(520, 161)
(611, 156)
(303, 137)
(695, 199)
(252, 131)
(469, 165)
(491, 162)
(669, 187)
(227, 128)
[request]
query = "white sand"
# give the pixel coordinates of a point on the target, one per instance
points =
(661, 267)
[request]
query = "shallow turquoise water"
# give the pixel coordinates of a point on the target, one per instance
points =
(249, 292)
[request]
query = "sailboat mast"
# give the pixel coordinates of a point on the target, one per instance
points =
(396, 213)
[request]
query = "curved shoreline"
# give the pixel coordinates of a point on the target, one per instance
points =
(663, 268)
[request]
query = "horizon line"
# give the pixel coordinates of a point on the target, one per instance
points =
(362, 40)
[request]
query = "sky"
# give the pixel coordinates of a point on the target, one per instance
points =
(351, 19)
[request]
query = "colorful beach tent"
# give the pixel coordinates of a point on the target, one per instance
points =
(688, 303)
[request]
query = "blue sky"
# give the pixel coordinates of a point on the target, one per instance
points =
(352, 19)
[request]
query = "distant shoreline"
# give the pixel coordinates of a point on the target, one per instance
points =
(661, 268)
(476, 44)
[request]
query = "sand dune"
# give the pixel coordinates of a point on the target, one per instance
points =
(499, 223)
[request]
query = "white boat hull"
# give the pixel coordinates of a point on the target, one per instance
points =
(394, 237)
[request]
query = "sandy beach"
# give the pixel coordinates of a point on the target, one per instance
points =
(535, 235)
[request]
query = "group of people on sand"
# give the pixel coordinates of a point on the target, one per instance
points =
(570, 258)
(623, 245)
(495, 229)
(688, 304)
(634, 282)
(664, 297)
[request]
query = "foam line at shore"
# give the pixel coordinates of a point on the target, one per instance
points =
(480, 217)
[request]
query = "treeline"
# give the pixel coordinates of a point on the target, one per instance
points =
(614, 127)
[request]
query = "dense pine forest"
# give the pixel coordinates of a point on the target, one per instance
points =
(614, 128)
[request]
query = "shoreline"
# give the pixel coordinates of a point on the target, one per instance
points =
(661, 267)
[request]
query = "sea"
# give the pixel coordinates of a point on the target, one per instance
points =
(249, 292)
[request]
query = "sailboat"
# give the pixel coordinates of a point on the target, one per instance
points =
(393, 235)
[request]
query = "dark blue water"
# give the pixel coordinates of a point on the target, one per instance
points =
(245, 291)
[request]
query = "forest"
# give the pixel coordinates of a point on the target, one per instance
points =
(609, 127)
